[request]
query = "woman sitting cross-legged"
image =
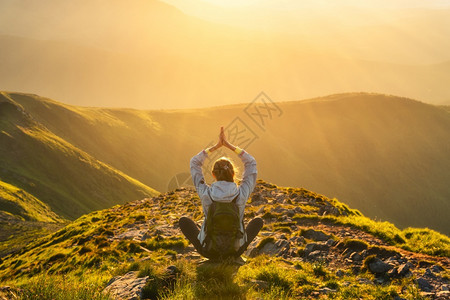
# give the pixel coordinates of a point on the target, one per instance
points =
(222, 234)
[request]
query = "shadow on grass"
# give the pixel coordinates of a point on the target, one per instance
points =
(216, 281)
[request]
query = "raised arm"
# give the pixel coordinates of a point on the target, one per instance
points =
(250, 172)
(196, 164)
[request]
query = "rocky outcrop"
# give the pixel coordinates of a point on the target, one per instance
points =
(316, 235)
(377, 266)
(126, 287)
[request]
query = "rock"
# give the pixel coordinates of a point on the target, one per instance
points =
(127, 286)
(274, 248)
(392, 260)
(258, 199)
(285, 218)
(316, 235)
(330, 242)
(377, 266)
(437, 269)
(279, 209)
(329, 210)
(315, 246)
(280, 198)
(429, 273)
(260, 211)
(136, 234)
(172, 270)
(284, 251)
(445, 287)
(252, 252)
(293, 252)
(443, 295)
(355, 256)
(290, 213)
(393, 272)
(287, 201)
(382, 252)
(326, 290)
(315, 254)
(298, 240)
(404, 269)
(298, 210)
(425, 264)
(340, 273)
(424, 285)
(299, 199)
(312, 201)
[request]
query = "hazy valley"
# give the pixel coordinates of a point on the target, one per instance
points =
(386, 156)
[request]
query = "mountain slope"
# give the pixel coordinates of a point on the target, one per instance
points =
(19, 203)
(70, 181)
(310, 245)
(385, 155)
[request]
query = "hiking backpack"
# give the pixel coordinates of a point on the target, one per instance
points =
(223, 229)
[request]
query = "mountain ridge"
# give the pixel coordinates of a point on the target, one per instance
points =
(364, 148)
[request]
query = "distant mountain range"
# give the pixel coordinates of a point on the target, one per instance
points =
(384, 155)
(148, 54)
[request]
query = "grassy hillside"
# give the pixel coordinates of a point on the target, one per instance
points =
(23, 218)
(143, 236)
(19, 203)
(385, 155)
(52, 173)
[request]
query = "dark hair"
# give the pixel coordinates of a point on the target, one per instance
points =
(223, 169)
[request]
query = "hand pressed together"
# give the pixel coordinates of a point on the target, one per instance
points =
(222, 142)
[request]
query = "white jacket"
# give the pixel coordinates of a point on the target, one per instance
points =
(224, 191)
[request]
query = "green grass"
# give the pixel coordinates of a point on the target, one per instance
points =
(426, 241)
(354, 244)
(167, 243)
(63, 288)
(413, 239)
(269, 278)
(25, 206)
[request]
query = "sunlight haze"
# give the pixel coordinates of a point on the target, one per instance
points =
(190, 54)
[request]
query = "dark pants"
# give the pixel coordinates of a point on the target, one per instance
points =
(191, 231)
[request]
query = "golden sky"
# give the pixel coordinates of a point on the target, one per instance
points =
(199, 53)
